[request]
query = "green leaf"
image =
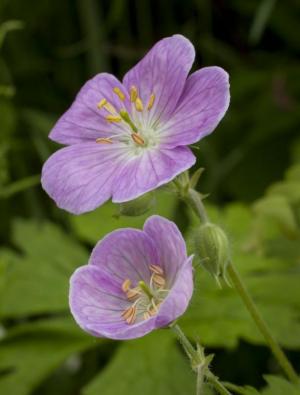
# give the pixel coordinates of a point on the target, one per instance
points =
(32, 351)
(37, 280)
(151, 365)
(280, 386)
(219, 317)
(93, 226)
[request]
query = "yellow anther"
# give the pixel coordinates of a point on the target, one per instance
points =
(152, 311)
(159, 280)
(126, 285)
(101, 103)
(119, 93)
(139, 104)
(156, 269)
(110, 108)
(151, 101)
(113, 118)
(129, 315)
(133, 93)
(137, 139)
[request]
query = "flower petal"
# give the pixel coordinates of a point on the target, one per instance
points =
(150, 170)
(203, 103)
(178, 298)
(83, 121)
(163, 72)
(80, 177)
(125, 254)
(169, 243)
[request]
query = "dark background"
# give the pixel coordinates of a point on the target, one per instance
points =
(48, 49)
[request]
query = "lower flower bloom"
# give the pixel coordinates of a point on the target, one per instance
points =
(136, 281)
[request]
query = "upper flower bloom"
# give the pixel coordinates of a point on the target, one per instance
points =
(136, 281)
(125, 139)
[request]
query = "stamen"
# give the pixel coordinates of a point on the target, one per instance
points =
(156, 269)
(146, 315)
(159, 280)
(151, 101)
(132, 294)
(139, 104)
(125, 116)
(101, 103)
(133, 93)
(119, 93)
(129, 315)
(152, 311)
(104, 140)
(113, 118)
(137, 139)
(126, 285)
(110, 108)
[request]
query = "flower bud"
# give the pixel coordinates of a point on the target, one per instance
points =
(137, 206)
(212, 248)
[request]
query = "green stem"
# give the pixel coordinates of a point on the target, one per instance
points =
(193, 198)
(198, 359)
(217, 384)
(19, 186)
(261, 324)
(195, 201)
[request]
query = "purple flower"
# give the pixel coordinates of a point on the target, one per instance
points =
(136, 281)
(125, 139)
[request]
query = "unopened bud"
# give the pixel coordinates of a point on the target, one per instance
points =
(212, 249)
(137, 206)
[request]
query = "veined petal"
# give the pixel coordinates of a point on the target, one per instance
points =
(126, 254)
(162, 72)
(178, 298)
(149, 170)
(204, 101)
(80, 177)
(169, 243)
(84, 121)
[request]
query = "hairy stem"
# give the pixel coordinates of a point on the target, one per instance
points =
(261, 324)
(217, 384)
(194, 199)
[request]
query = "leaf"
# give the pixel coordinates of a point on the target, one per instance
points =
(93, 226)
(151, 365)
(37, 280)
(219, 317)
(280, 386)
(32, 351)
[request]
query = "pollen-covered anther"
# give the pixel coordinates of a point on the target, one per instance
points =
(159, 280)
(104, 140)
(113, 118)
(133, 93)
(151, 101)
(119, 93)
(137, 139)
(129, 314)
(126, 285)
(110, 108)
(132, 294)
(156, 269)
(139, 104)
(101, 103)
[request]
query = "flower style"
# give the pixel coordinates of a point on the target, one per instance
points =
(136, 281)
(125, 139)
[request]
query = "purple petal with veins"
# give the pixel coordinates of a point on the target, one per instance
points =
(136, 131)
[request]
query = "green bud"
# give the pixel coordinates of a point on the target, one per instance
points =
(138, 206)
(212, 249)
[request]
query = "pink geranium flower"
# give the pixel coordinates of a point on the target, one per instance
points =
(125, 139)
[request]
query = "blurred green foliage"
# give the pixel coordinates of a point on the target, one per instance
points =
(48, 49)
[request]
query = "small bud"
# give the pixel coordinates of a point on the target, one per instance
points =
(139, 206)
(212, 248)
